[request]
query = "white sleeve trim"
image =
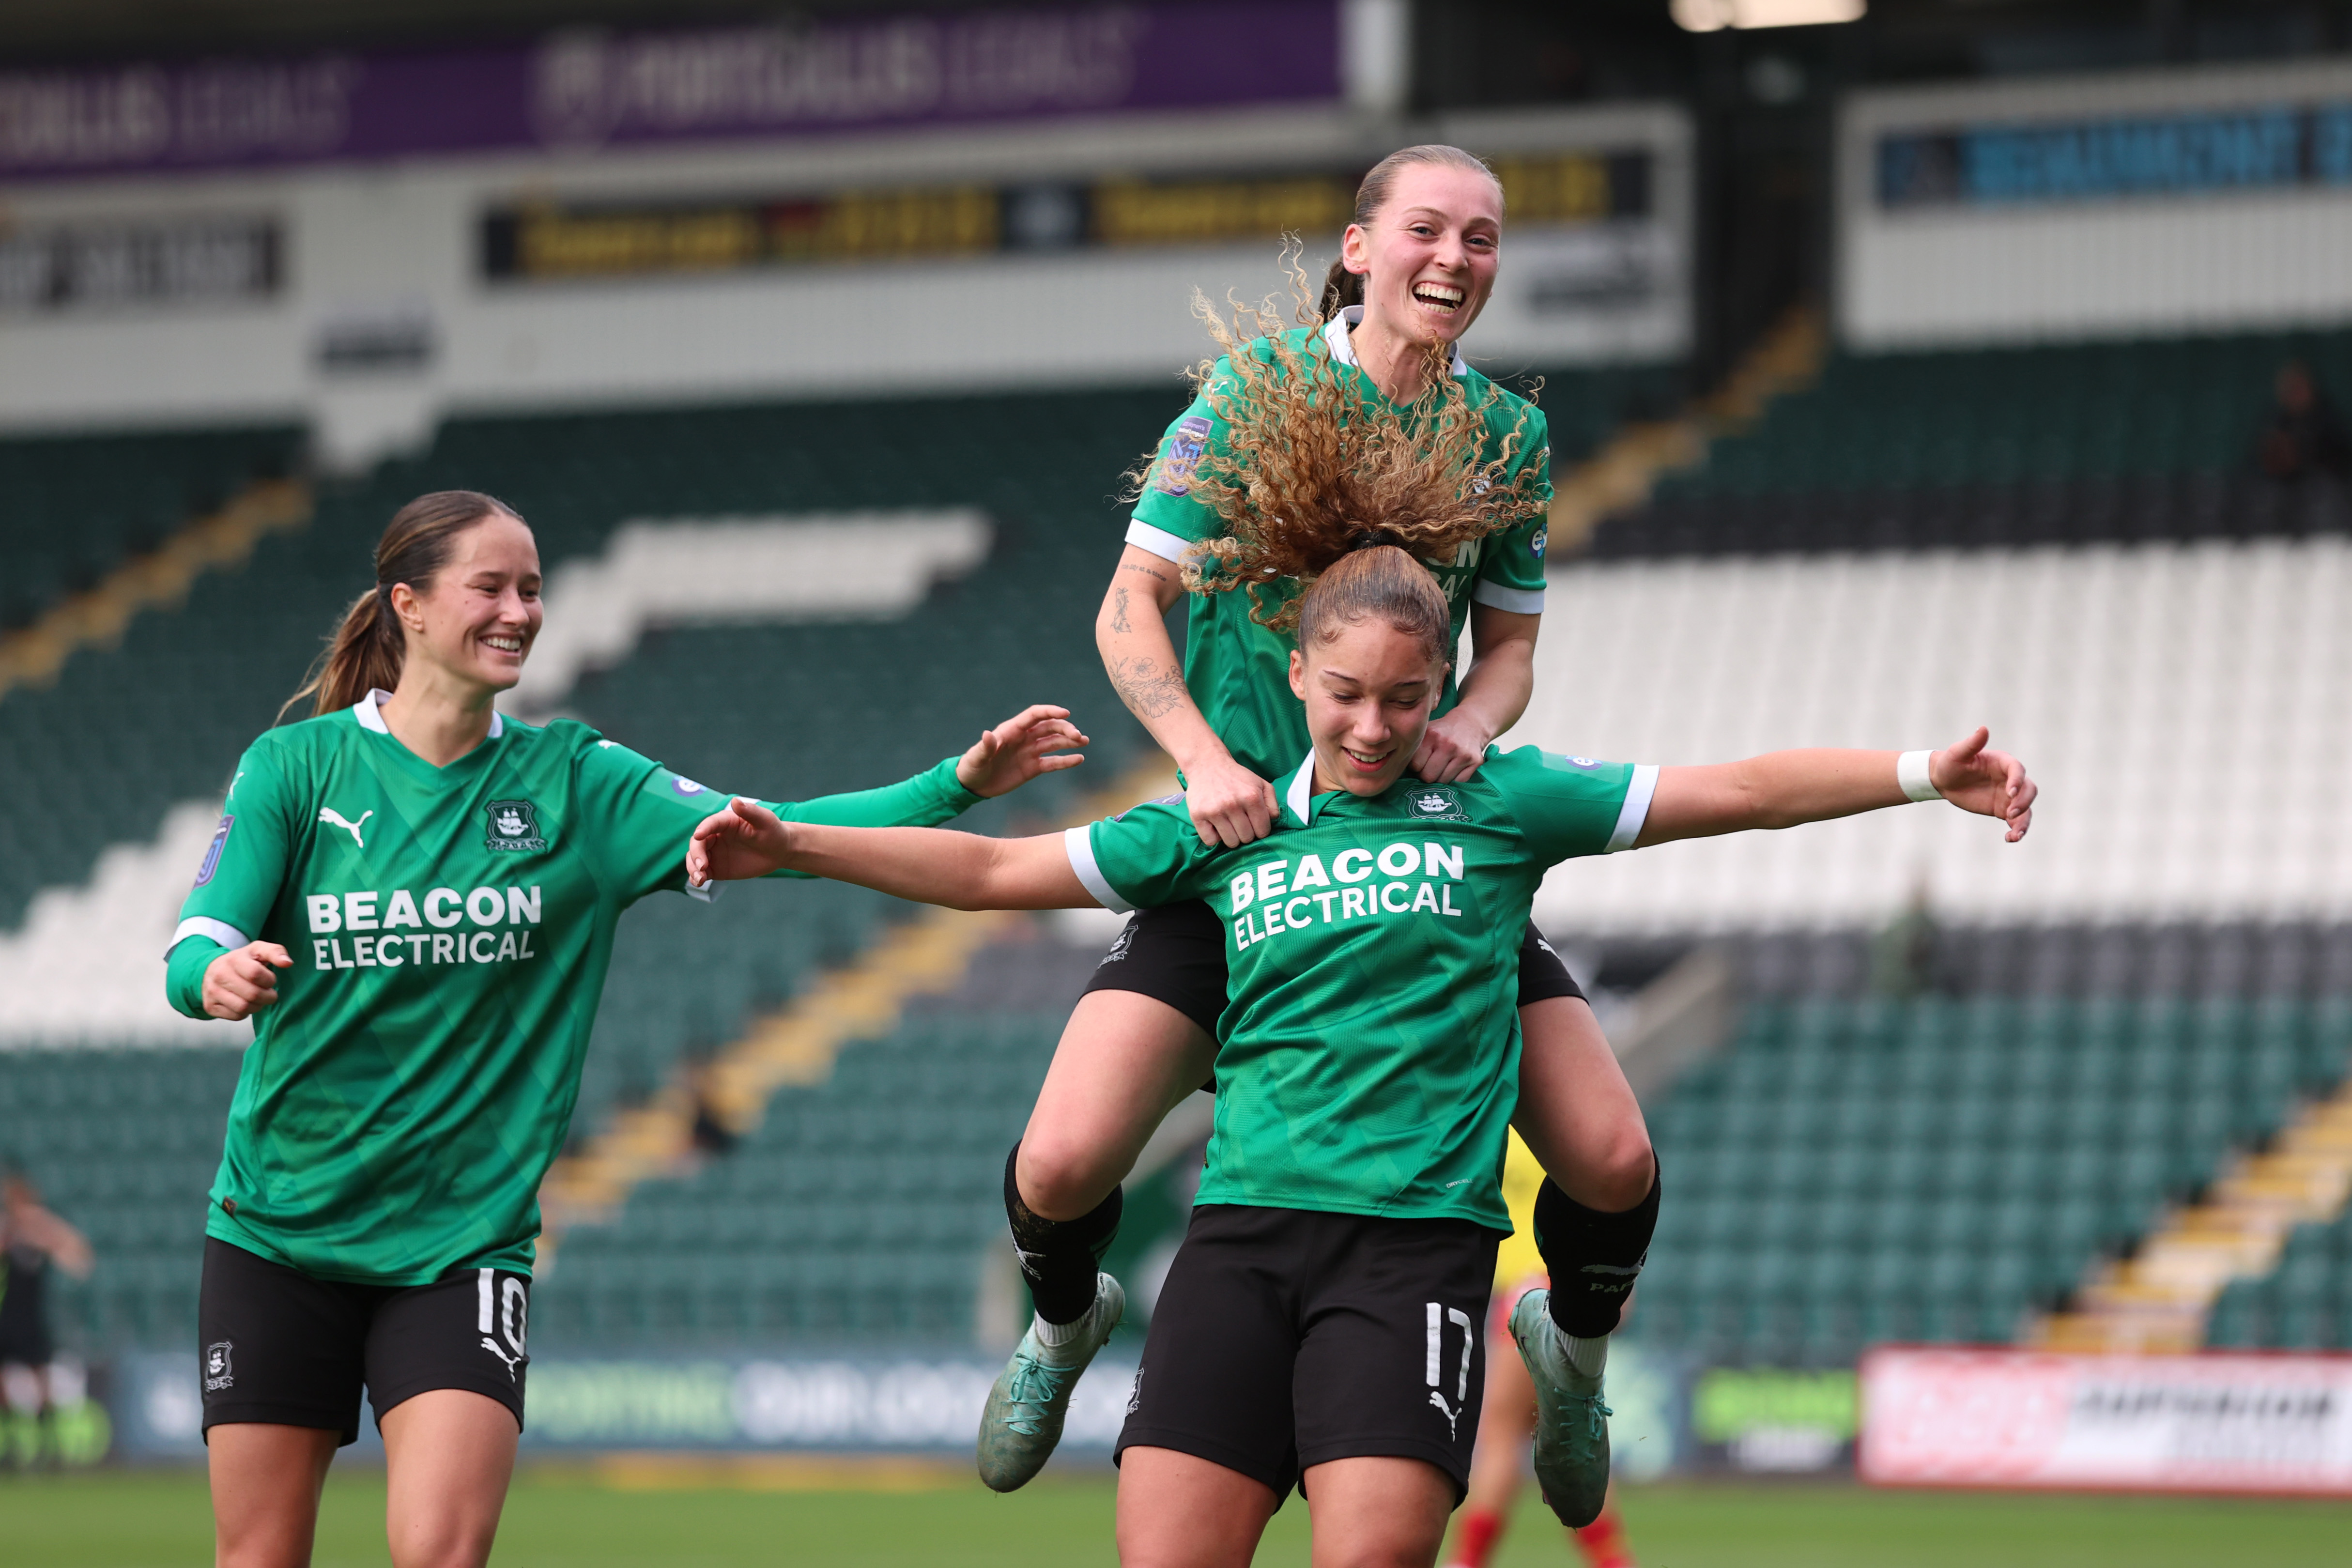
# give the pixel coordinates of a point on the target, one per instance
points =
(1636, 811)
(1518, 601)
(1078, 843)
(221, 931)
(1158, 540)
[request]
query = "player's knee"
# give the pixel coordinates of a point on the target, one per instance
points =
(1062, 1177)
(1621, 1178)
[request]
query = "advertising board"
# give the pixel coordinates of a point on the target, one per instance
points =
(2212, 1422)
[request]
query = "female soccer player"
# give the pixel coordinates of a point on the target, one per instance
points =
(416, 895)
(1417, 265)
(1321, 1323)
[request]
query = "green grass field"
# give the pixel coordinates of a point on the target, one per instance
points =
(151, 1520)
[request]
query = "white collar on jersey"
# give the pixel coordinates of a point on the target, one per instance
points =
(368, 710)
(1300, 794)
(1343, 351)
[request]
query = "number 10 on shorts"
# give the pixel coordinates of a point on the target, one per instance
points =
(1440, 1315)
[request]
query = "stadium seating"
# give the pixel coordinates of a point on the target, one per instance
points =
(2304, 1304)
(124, 1144)
(76, 505)
(2132, 439)
(1932, 1167)
(867, 1206)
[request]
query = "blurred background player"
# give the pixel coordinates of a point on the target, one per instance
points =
(1508, 1417)
(32, 1240)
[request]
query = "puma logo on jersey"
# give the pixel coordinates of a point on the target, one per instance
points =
(329, 814)
(491, 1345)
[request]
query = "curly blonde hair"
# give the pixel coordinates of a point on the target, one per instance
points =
(1312, 466)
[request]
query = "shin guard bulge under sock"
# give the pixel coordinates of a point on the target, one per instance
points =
(1593, 1257)
(1058, 1258)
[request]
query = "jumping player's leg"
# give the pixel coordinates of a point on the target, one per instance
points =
(1594, 1218)
(1125, 1060)
(1179, 1511)
(1378, 1511)
(266, 1481)
(1138, 1043)
(449, 1454)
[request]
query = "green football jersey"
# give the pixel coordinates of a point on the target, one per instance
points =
(1238, 671)
(450, 930)
(1368, 1055)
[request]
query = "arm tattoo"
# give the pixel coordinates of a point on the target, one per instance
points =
(1148, 687)
(1152, 571)
(1118, 611)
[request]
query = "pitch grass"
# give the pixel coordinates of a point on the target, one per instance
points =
(155, 1518)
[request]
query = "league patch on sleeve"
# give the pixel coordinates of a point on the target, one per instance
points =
(1173, 473)
(213, 853)
(1537, 540)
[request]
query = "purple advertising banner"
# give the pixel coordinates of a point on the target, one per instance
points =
(576, 91)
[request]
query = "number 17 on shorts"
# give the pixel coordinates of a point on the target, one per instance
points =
(1454, 1381)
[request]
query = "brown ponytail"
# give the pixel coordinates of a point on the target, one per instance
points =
(370, 645)
(1342, 287)
(1383, 583)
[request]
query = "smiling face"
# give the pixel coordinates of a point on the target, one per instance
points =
(1369, 692)
(480, 613)
(1429, 254)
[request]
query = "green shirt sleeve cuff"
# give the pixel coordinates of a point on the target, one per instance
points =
(184, 974)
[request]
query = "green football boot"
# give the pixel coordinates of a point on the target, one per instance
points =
(1571, 1457)
(1022, 1419)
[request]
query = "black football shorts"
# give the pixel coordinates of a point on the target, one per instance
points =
(1286, 1337)
(282, 1347)
(1176, 954)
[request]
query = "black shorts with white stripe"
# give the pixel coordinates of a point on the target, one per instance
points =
(1286, 1337)
(283, 1347)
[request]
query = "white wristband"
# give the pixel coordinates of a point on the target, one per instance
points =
(1911, 774)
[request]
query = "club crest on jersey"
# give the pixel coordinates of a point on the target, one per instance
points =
(514, 825)
(212, 856)
(1435, 803)
(218, 1373)
(1183, 455)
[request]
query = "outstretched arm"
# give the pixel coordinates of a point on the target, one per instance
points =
(928, 865)
(1782, 789)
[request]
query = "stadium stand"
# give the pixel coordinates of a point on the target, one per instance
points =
(123, 1142)
(1939, 1166)
(2152, 438)
(2305, 1304)
(80, 505)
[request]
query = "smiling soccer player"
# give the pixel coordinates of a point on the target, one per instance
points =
(415, 897)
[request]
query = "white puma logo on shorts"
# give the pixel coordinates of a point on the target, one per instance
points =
(329, 814)
(491, 1345)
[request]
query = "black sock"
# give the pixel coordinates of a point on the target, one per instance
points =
(1059, 1256)
(1593, 1257)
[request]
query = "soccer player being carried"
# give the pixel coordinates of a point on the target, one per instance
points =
(1417, 264)
(416, 896)
(1320, 1324)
